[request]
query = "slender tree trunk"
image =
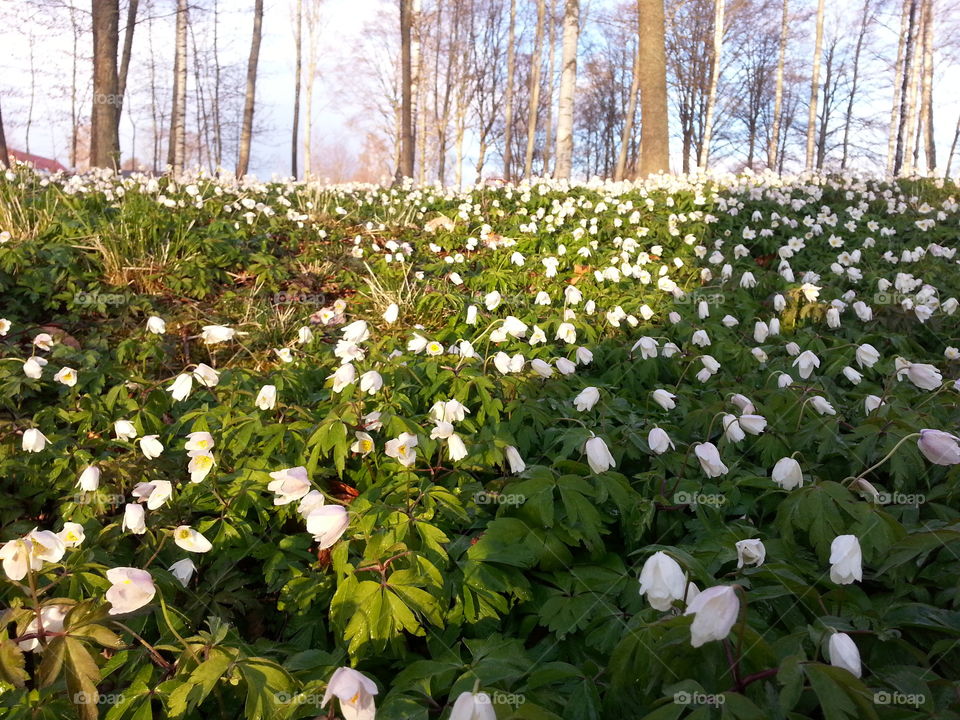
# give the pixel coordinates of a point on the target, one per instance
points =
(5, 154)
(946, 173)
(898, 73)
(177, 144)
(508, 95)
(536, 61)
(33, 91)
(814, 87)
(405, 168)
(104, 141)
(246, 133)
(864, 24)
(416, 75)
(217, 133)
(718, 11)
(927, 93)
(312, 20)
(778, 98)
(74, 118)
(295, 133)
(627, 133)
(911, 132)
(551, 20)
(568, 90)
(825, 110)
(654, 128)
(903, 129)
(125, 62)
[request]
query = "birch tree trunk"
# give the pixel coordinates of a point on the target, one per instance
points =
(551, 20)
(654, 128)
(718, 11)
(778, 97)
(295, 132)
(568, 90)
(927, 92)
(534, 109)
(104, 142)
(946, 173)
(312, 18)
(627, 133)
(814, 87)
(4, 153)
(864, 24)
(898, 73)
(176, 146)
(508, 95)
(125, 62)
(416, 75)
(250, 98)
(906, 127)
(405, 168)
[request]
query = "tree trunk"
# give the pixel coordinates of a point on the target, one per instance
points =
(295, 133)
(825, 110)
(864, 24)
(508, 96)
(217, 133)
(927, 93)
(627, 133)
(898, 72)
(911, 137)
(654, 128)
(778, 98)
(104, 142)
(551, 20)
(405, 168)
(74, 117)
(312, 20)
(536, 60)
(4, 153)
(125, 63)
(814, 88)
(177, 144)
(246, 133)
(718, 8)
(902, 128)
(946, 173)
(568, 90)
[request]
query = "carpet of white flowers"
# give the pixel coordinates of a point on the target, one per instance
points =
(682, 448)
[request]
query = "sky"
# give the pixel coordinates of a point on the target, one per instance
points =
(41, 38)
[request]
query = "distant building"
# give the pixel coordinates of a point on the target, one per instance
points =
(39, 163)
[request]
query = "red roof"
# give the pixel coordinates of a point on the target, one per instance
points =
(40, 163)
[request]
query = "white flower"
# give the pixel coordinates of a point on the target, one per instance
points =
(715, 610)
(710, 461)
(402, 448)
(201, 463)
(183, 570)
(583, 356)
(753, 424)
(871, 403)
(598, 455)
(43, 341)
(852, 375)
(150, 446)
(355, 692)
(810, 292)
(662, 580)
(289, 484)
(867, 355)
(541, 368)
(566, 333)
(16, 558)
(391, 314)
(285, 355)
(844, 654)
(473, 706)
(33, 440)
(206, 375)
(750, 552)
(304, 335)
(181, 387)
(134, 519)
(492, 300)
(923, 375)
(67, 376)
(89, 479)
(648, 347)
(845, 560)
(156, 325)
(587, 398)
(51, 617)
(822, 406)
(343, 376)
(327, 524)
(565, 367)
(267, 397)
(124, 430)
(190, 540)
(213, 334)
(370, 382)
(514, 460)
(658, 441)
(198, 443)
(939, 447)
(787, 473)
(33, 367)
(664, 399)
(806, 362)
(130, 589)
